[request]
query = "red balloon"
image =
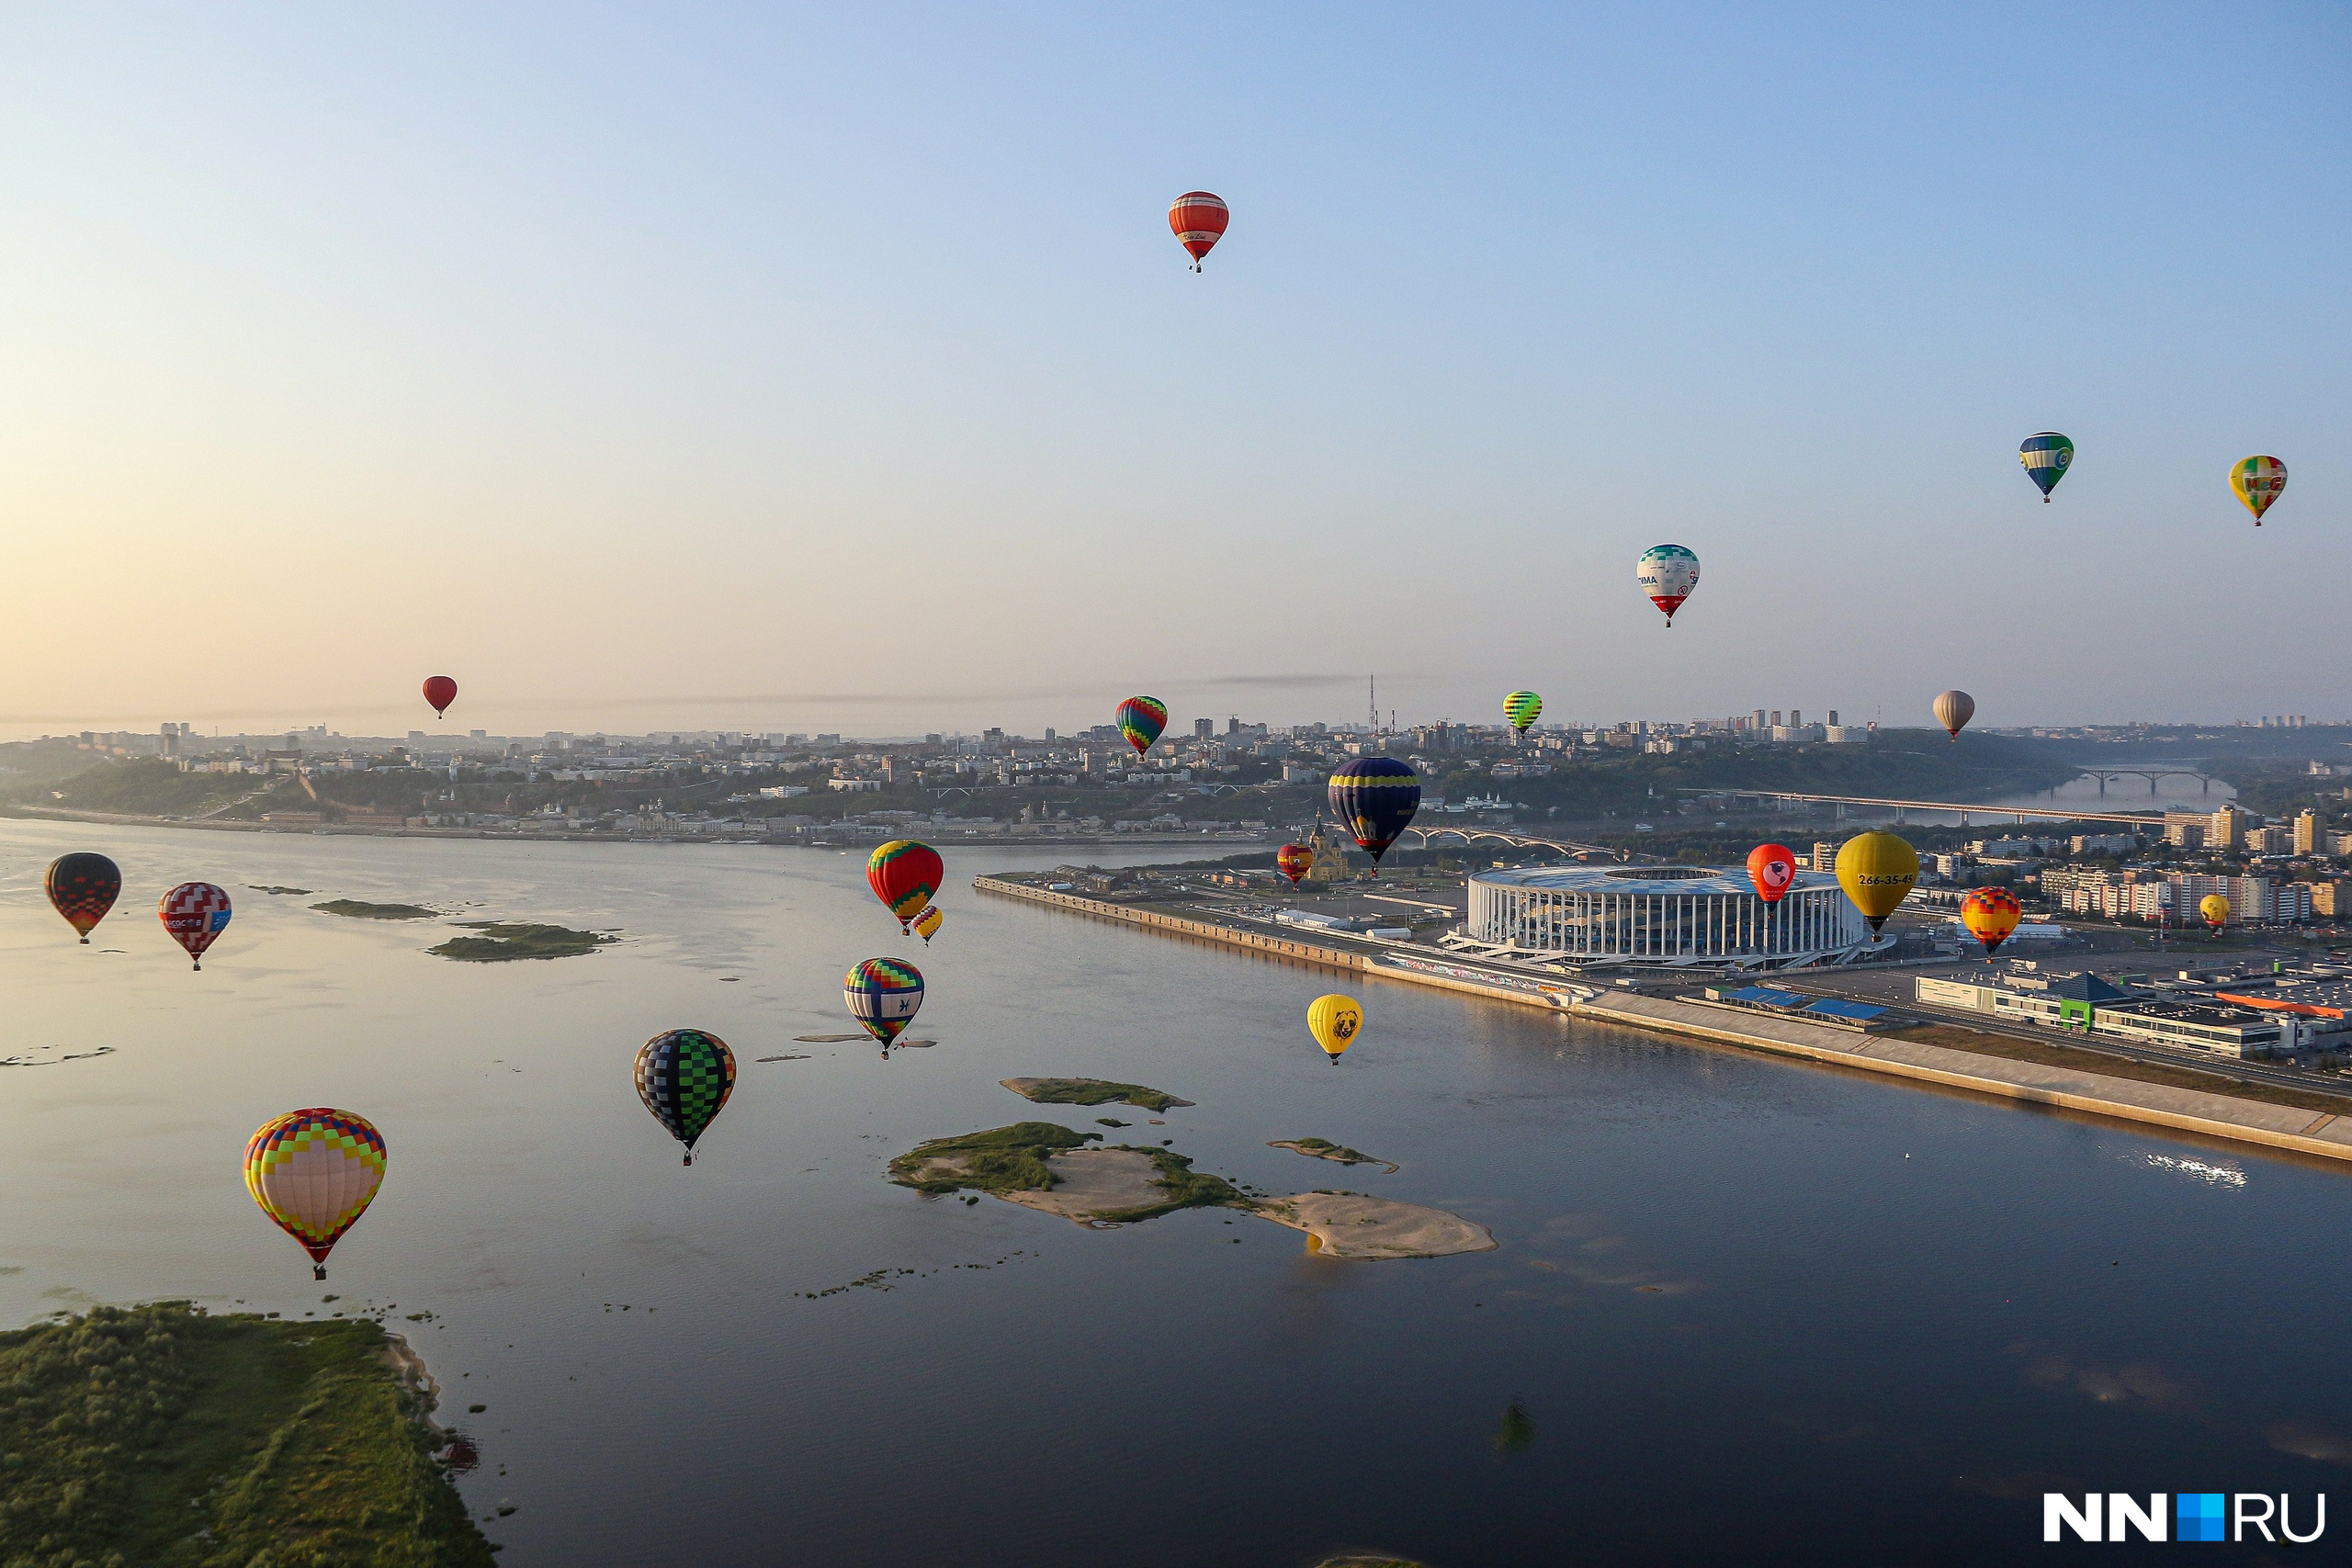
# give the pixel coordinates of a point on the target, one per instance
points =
(1198, 220)
(1294, 861)
(905, 876)
(195, 913)
(1773, 869)
(440, 691)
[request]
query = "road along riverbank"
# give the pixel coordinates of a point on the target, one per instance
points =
(2210, 1115)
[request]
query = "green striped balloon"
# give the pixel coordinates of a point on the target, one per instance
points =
(1522, 708)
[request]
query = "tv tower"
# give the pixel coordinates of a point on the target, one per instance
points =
(1371, 691)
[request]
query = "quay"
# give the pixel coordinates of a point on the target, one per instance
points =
(2210, 1115)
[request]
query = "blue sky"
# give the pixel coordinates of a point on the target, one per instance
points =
(834, 368)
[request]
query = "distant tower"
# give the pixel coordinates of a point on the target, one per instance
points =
(1371, 693)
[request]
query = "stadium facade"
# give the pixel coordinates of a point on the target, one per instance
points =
(1669, 916)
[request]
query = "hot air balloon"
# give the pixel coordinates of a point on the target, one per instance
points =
(1198, 220)
(1140, 720)
(2216, 910)
(440, 691)
(1522, 708)
(1376, 798)
(1953, 710)
(1990, 914)
(684, 1076)
(1773, 869)
(2046, 458)
(83, 886)
(1294, 861)
(1334, 1021)
(927, 924)
(1667, 574)
(2258, 481)
(314, 1172)
(1878, 870)
(905, 876)
(883, 995)
(195, 913)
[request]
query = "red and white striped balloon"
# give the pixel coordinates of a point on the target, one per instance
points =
(1198, 218)
(195, 913)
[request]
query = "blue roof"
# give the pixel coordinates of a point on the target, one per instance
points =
(1764, 996)
(1861, 1012)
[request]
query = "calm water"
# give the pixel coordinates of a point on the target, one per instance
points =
(1755, 1311)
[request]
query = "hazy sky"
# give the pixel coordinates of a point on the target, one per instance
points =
(833, 367)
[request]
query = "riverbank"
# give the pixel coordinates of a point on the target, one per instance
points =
(2210, 1114)
(132, 1434)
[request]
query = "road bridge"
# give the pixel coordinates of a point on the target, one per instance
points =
(1965, 808)
(1426, 837)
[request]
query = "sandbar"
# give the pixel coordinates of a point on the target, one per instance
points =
(1352, 1225)
(1091, 1092)
(1323, 1148)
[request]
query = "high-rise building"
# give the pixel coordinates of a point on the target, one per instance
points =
(1825, 856)
(1833, 716)
(1204, 729)
(1796, 718)
(1755, 719)
(2226, 829)
(1775, 718)
(2307, 833)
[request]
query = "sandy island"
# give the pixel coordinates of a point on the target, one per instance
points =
(1089, 1185)
(1352, 1226)
(1323, 1148)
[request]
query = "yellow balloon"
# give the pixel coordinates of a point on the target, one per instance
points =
(1878, 870)
(2215, 908)
(1334, 1022)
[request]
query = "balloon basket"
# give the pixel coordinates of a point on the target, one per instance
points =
(318, 1271)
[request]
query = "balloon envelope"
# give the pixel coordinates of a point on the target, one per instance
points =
(2046, 456)
(314, 1172)
(884, 994)
(1140, 720)
(1522, 708)
(83, 886)
(684, 1076)
(195, 913)
(1376, 798)
(1878, 870)
(1334, 1021)
(1953, 710)
(1294, 861)
(1667, 574)
(1990, 914)
(927, 924)
(2258, 482)
(440, 691)
(1198, 220)
(906, 876)
(1773, 869)
(2215, 908)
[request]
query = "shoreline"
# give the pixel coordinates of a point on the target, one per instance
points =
(2220, 1117)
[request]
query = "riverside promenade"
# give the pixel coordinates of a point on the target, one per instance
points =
(2208, 1115)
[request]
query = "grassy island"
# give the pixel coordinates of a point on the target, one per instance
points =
(1003, 1159)
(1091, 1092)
(354, 909)
(159, 1435)
(1118, 1185)
(503, 940)
(1323, 1149)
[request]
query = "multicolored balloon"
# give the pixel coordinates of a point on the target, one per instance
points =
(684, 1076)
(1294, 861)
(1953, 710)
(1198, 221)
(1376, 798)
(927, 924)
(2046, 458)
(1335, 1022)
(1140, 720)
(314, 1172)
(1667, 574)
(884, 994)
(440, 691)
(1522, 708)
(906, 876)
(1990, 914)
(2258, 481)
(1878, 870)
(1773, 869)
(195, 913)
(2216, 910)
(83, 886)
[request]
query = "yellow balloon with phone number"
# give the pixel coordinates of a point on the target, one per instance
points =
(1334, 1021)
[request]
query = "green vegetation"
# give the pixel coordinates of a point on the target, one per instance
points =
(503, 940)
(1003, 1159)
(143, 787)
(297, 892)
(1323, 1148)
(356, 910)
(1187, 1189)
(1091, 1091)
(158, 1434)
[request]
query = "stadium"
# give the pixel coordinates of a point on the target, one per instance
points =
(1681, 917)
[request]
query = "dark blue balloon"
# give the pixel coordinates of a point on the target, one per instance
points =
(1376, 798)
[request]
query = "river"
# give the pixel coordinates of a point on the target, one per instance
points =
(1753, 1310)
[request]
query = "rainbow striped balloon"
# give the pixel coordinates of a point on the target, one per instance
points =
(1522, 708)
(1140, 720)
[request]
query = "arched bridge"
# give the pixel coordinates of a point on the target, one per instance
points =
(1428, 839)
